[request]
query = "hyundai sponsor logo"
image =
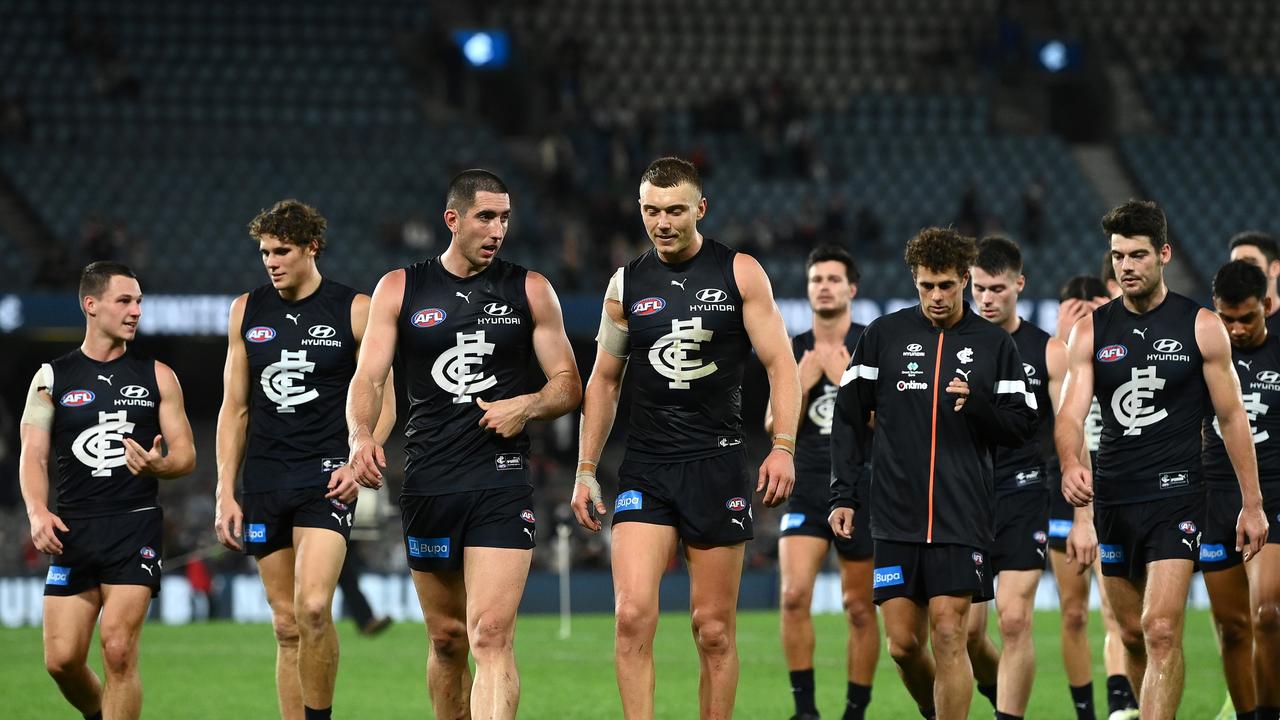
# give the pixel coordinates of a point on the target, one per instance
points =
(322, 332)
(1213, 553)
(77, 398)
(1166, 345)
(497, 309)
(60, 576)
(428, 317)
(888, 576)
(1112, 353)
(1270, 377)
(428, 547)
(629, 500)
(791, 521)
(136, 392)
(260, 334)
(1111, 553)
(712, 295)
(648, 306)
(255, 533)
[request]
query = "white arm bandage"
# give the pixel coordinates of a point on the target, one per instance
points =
(614, 338)
(39, 409)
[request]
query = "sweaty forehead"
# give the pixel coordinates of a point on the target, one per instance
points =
(682, 194)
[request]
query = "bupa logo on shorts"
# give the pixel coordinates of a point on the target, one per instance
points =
(1187, 527)
(1213, 553)
(648, 306)
(331, 464)
(508, 461)
(497, 309)
(321, 332)
(1168, 480)
(1040, 537)
(1111, 553)
(428, 547)
(629, 500)
(888, 576)
(526, 515)
(260, 334)
(712, 295)
(428, 317)
(790, 521)
(77, 398)
(1059, 528)
(147, 552)
(736, 504)
(255, 533)
(60, 576)
(135, 392)
(1112, 353)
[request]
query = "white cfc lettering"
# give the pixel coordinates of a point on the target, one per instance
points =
(279, 377)
(670, 355)
(1129, 401)
(823, 408)
(1093, 426)
(455, 370)
(101, 447)
(1254, 407)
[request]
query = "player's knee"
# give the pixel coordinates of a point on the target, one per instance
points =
(1267, 618)
(286, 629)
(449, 640)
(119, 654)
(949, 634)
(796, 600)
(712, 634)
(491, 636)
(1015, 623)
(61, 664)
(1075, 620)
(1234, 630)
(634, 620)
(312, 615)
(1160, 634)
(859, 611)
(904, 647)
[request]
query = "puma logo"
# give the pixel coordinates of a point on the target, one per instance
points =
(1041, 551)
(465, 298)
(528, 532)
(1187, 542)
(739, 522)
(1245, 365)
(107, 378)
(1140, 333)
(147, 568)
(680, 283)
(963, 373)
(294, 318)
(338, 517)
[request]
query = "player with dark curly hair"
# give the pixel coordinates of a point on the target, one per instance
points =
(946, 387)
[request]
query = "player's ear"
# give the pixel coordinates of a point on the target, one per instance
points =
(1266, 305)
(451, 219)
(702, 208)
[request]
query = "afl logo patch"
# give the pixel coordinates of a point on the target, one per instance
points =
(1187, 527)
(147, 552)
(648, 306)
(321, 332)
(526, 515)
(76, 398)
(428, 317)
(712, 295)
(260, 334)
(1112, 353)
(736, 504)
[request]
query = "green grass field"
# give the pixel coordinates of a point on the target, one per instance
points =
(225, 671)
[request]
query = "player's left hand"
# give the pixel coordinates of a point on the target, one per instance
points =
(1082, 546)
(834, 363)
(143, 461)
(1251, 531)
(841, 522)
(960, 389)
(343, 485)
(777, 477)
(505, 417)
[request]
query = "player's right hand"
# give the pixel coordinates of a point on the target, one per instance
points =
(1082, 546)
(841, 521)
(811, 369)
(228, 523)
(1077, 485)
(586, 497)
(44, 536)
(366, 460)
